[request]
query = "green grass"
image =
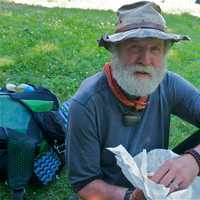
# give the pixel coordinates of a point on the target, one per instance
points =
(57, 48)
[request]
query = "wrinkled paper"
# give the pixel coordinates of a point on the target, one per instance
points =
(136, 169)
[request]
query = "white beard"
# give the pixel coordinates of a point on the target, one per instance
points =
(132, 84)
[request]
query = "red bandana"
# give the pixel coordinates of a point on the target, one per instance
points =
(138, 104)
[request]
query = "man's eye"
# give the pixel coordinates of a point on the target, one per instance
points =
(156, 50)
(135, 49)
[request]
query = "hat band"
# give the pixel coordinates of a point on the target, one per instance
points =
(140, 25)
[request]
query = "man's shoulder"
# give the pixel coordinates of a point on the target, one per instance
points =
(173, 82)
(91, 87)
(171, 77)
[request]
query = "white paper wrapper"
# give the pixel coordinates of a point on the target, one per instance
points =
(137, 168)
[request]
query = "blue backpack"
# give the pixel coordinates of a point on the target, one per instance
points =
(32, 136)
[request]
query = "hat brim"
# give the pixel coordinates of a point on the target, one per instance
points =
(107, 40)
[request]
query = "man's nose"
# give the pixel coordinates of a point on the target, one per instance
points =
(145, 58)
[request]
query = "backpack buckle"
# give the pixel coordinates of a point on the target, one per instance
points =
(59, 148)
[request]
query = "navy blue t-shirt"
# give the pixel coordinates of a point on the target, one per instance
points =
(96, 122)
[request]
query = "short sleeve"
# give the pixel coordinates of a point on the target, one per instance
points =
(83, 153)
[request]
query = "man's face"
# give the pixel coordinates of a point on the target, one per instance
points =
(138, 66)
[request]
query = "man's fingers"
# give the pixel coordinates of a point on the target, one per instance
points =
(166, 175)
(157, 177)
(175, 184)
(138, 194)
(168, 178)
(177, 173)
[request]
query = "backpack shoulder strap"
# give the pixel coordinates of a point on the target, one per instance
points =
(38, 100)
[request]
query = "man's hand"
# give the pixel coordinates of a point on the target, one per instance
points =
(138, 195)
(178, 173)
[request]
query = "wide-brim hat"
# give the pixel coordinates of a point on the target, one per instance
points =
(142, 19)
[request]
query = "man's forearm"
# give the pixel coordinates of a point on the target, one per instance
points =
(100, 190)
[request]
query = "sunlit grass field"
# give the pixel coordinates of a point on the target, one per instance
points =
(57, 48)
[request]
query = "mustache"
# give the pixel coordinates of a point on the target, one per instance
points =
(137, 68)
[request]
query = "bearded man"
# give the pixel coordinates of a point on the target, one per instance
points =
(130, 103)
